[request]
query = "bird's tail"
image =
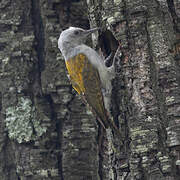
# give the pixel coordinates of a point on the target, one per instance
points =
(106, 121)
(114, 127)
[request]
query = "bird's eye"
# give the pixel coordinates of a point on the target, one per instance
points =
(77, 32)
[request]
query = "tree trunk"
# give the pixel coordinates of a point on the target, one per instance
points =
(46, 132)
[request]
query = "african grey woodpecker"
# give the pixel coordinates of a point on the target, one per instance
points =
(87, 71)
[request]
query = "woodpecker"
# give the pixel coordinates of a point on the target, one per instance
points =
(87, 72)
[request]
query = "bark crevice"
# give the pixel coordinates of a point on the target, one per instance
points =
(176, 19)
(38, 46)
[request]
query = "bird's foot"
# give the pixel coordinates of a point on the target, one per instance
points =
(117, 57)
(106, 61)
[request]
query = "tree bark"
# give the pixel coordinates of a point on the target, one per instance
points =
(46, 132)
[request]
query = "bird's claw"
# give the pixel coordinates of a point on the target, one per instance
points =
(106, 61)
(117, 56)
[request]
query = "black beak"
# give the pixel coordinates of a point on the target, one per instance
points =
(90, 31)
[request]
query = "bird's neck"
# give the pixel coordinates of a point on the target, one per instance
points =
(71, 50)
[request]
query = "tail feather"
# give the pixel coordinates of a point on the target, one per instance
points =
(110, 123)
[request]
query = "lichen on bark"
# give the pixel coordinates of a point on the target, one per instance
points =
(60, 136)
(22, 121)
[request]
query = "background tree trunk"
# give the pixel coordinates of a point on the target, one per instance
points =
(46, 132)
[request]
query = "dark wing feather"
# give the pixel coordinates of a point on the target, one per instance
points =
(93, 93)
(86, 81)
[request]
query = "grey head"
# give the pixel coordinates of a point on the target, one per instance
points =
(73, 37)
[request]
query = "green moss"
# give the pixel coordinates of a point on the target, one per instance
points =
(111, 20)
(178, 163)
(117, 2)
(45, 172)
(22, 122)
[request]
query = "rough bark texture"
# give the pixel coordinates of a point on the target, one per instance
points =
(46, 132)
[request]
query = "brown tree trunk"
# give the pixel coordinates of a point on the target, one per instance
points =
(46, 132)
